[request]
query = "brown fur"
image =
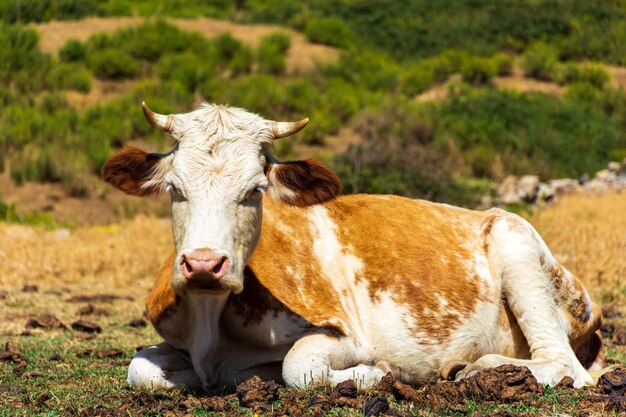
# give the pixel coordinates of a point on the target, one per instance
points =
(311, 181)
(255, 301)
(129, 169)
(162, 297)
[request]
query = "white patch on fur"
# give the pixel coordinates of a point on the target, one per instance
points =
(340, 269)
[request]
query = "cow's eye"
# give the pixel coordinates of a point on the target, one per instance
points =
(256, 191)
(171, 188)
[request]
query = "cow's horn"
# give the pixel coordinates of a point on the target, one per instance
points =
(165, 123)
(284, 129)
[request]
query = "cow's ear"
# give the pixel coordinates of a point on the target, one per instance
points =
(135, 171)
(302, 183)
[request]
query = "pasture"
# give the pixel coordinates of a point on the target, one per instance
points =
(71, 319)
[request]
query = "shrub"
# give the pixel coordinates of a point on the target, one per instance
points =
(271, 53)
(331, 31)
(540, 60)
(113, 64)
(417, 78)
(69, 76)
(503, 63)
(73, 50)
(478, 70)
(593, 74)
(241, 61)
(186, 68)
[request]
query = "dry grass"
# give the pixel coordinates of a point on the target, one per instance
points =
(587, 233)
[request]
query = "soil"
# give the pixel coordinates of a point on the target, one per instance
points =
(503, 385)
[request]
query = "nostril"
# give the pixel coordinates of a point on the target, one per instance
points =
(188, 269)
(218, 266)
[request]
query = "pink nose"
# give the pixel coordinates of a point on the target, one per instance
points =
(204, 263)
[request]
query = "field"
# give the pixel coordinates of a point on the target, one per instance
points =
(416, 98)
(52, 279)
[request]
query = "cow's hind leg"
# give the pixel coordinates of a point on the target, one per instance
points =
(161, 366)
(518, 255)
(320, 359)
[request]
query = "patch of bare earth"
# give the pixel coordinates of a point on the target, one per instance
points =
(516, 81)
(301, 56)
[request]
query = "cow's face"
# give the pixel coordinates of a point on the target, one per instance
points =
(216, 177)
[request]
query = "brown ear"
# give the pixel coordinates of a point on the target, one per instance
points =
(302, 183)
(130, 169)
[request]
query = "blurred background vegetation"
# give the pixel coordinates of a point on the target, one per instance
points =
(392, 54)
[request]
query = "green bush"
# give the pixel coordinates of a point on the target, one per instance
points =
(73, 50)
(271, 53)
(396, 155)
(571, 72)
(331, 31)
(503, 63)
(417, 78)
(113, 64)
(478, 70)
(540, 60)
(186, 68)
(69, 76)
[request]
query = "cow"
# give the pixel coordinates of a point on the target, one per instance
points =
(276, 274)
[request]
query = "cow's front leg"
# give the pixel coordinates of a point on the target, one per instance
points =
(161, 366)
(325, 360)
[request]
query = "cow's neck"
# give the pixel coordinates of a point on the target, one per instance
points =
(204, 317)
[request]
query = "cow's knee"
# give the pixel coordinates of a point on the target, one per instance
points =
(324, 360)
(161, 366)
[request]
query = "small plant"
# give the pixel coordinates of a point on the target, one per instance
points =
(73, 50)
(113, 64)
(539, 61)
(271, 53)
(330, 31)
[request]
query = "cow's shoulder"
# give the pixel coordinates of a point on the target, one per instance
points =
(162, 297)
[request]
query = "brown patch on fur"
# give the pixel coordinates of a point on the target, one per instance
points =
(486, 227)
(255, 301)
(162, 297)
(129, 169)
(403, 257)
(310, 181)
(285, 264)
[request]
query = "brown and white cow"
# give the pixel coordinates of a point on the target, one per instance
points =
(336, 288)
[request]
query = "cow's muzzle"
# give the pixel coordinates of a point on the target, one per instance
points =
(204, 268)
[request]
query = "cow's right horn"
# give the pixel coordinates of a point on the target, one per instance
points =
(163, 122)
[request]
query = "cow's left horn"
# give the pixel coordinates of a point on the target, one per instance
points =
(165, 123)
(284, 129)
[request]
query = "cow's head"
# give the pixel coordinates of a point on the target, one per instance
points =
(216, 176)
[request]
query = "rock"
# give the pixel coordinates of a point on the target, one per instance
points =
(564, 186)
(545, 193)
(614, 166)
(527, 187)
(507, 190)
(606, 176)
(596, 186)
